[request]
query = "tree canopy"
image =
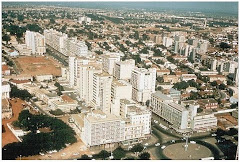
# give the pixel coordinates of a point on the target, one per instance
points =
(34, 142)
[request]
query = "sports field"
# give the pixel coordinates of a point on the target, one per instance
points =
(40, 65)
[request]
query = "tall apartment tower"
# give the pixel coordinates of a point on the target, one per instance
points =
(109, 61)
(143, 84)
(120, 90)
(123, 69)
(102, 92)
(36, 42)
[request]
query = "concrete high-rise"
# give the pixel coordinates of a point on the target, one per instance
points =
(143, 84)
(36, 42)
(102, 92)
(123, 69)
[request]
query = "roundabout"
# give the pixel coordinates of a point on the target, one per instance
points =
(177, 151)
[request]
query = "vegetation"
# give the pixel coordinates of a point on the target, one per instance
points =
(84, 157)
(137, 148)
(144, 156)
(23, 94)
(119, 153)
(103, 154)
(6, 38)
(181, 85)
(57, 112)
(60, 88)
(33, 143)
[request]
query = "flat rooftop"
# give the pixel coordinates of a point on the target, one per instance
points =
(162, 96)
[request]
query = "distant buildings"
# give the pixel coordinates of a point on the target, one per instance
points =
(84, 19)
(167, 42)
(68, 47)
(35, 42)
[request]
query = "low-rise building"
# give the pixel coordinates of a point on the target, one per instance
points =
(212, 78)
(41, 78)
(5, 90)
(187, 77)
(208, 103)
(65, 104)
(5, 70)
(170, 79)
(6, 109)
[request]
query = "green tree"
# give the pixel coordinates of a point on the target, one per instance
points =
(103, 154)
(84, 157)
(20, 18)
(214, 83)
(137, 148)
(222, 86)
(6, 38)
(224, 45)
(119, 153)
(52, 21)
(144, 156)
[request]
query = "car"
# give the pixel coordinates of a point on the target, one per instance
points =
(157, 144)
(163, 147)
(41, 153)
(172, 141)
(129, 147)
(76, 153)
(214, 135)
(192, 142)
(146, 144)
(90, 156)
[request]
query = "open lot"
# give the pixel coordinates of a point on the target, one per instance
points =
(8, 136)
(40, 65)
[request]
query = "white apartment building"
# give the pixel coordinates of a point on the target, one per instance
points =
(55, 39)
(35, 42)
(123, 69)
(187, 77)
(143, 84)
(167, 42)
(41, 78)
(120, 90)
(84, 19)
(100, 128)
(137, 117)
(102, 92)
(5, 90)
(76, 47)
(177, 115)
(205, 73)
(85, 80)
(204, 122)
(109, 61)
(200, 122)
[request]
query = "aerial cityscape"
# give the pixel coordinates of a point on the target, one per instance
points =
(120, 80)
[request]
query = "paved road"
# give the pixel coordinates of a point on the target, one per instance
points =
(40, 109)
(57, 55)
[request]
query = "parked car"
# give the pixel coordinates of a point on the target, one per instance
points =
(192, 142)
(157, 144)
(163, 147)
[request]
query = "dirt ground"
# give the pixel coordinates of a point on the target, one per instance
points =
(40, 65)
(194, 152)
(8, 136)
